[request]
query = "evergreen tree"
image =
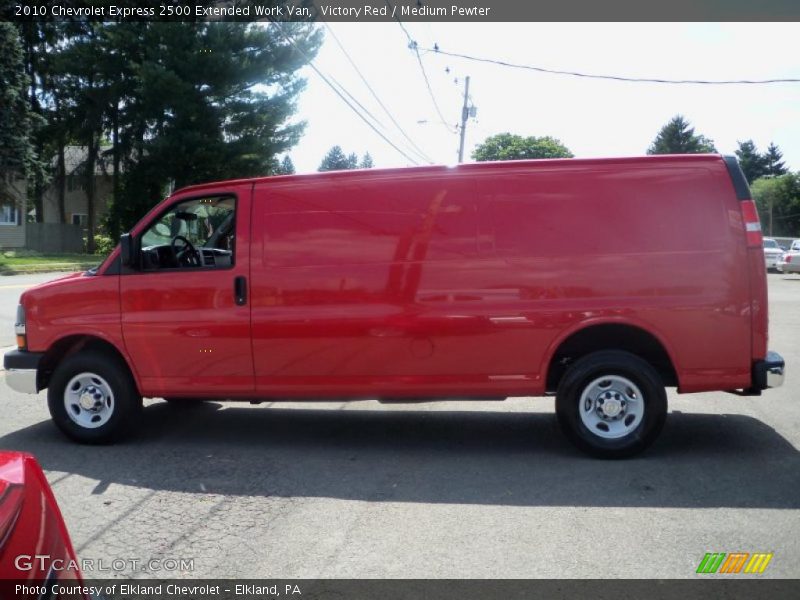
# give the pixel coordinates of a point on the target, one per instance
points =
(43, 44)
(196, 113)
(366, 161)
(753, 164)
(88, 84)
(678, 137)
(774, 164)
(17, 156)
(286, 167)
(335, 160)
(180, 102)
(352, 161)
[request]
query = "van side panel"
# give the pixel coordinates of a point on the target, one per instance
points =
(656, 246)
(463, 283)
(365, 286)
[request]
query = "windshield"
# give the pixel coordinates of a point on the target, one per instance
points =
(770, 244)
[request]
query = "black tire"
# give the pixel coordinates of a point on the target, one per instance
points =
(124, 408)
(588, 370)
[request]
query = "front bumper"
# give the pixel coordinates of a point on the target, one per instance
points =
(769, 373)
(22, 368)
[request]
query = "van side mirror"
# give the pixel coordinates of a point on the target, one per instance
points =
(126, 250)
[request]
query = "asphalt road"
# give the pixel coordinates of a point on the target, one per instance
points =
(433, 490)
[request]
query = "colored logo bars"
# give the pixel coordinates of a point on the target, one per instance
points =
(735, 562)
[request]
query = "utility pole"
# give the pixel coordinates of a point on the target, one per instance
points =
(464, 116)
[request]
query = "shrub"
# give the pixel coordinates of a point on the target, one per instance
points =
(103, 245)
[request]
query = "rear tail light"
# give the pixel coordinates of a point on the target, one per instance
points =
(788, 259)
(752, 225)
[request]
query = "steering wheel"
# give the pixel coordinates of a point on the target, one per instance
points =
(187, 256)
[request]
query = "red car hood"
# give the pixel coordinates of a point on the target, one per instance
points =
(34, 543)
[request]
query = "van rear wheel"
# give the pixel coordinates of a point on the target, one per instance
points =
(93, 398)
(611, 404)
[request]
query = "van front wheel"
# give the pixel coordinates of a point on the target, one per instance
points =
(93, 398)
(611, 404)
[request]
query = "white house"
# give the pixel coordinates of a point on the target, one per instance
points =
(13, 196)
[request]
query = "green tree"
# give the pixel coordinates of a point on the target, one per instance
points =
(167, 104)
(286, 167)
(778, 202)
(366, 161)
(753, 164)
(678, 137)
(17, 156)
(507, 146)
(209, 101)
(773, 158)
(44, 43)
(88, 84)
(335, 160)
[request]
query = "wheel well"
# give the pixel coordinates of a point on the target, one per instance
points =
(610, 337)
(67, 347)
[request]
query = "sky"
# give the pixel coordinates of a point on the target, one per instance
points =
(592, 118)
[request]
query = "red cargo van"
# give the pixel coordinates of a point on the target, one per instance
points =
(600, 281)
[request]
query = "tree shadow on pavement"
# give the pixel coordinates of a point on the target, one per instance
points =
(492, 458)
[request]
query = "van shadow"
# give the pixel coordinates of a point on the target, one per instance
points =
(493, 458)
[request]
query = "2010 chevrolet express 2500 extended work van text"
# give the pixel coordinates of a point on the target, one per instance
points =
(602, 281)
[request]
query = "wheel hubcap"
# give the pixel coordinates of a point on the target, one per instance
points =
(89, 400)
(611, 406)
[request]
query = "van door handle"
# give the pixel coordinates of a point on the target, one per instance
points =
(240, 290)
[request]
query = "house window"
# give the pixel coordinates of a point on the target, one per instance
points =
(9, 213)
(80, 219)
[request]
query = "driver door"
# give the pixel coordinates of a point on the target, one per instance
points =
(185, 307)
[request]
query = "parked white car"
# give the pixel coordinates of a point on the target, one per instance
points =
(790, 262)
(772, 253)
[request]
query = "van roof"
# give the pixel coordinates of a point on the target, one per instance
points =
(476, 167)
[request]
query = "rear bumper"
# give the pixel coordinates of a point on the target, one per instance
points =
(21, 370)
(769, 373)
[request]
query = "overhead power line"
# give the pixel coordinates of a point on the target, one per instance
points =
(340, 94)
(416, 149)
(399, 22)
(430, 92)
(412, 44)
(360, 115)
(503, 63)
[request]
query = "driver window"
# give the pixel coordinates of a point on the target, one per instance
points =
(196, 233)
